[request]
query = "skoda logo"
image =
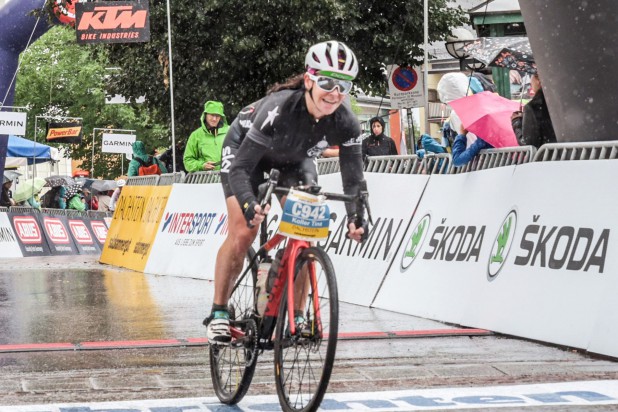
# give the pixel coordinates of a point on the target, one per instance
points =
(415, 242)
(502, 245)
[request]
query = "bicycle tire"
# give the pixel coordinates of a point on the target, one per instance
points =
(304, 362)
(232, 366)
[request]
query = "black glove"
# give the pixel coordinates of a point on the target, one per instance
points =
(249, 212)
(360, 222)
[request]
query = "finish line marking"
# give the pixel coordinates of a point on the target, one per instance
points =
(585, 393)
(167, 343)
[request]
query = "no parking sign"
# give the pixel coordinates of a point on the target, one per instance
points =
(406, 87)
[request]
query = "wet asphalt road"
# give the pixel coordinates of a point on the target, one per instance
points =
(75, 300)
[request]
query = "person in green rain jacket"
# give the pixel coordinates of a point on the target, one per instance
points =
(203, 151)
(139, 151)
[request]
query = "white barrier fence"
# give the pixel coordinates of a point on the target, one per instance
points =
(525, 249)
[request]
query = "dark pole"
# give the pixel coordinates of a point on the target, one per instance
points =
(574, 45)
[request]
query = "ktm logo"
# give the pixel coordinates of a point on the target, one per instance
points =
(113, 17)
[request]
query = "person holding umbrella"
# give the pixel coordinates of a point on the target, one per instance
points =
(27, 192)
(6, 199)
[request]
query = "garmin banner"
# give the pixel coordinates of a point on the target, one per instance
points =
(360, 267)
(112, 22)
(118, 143)
(13, 123)
(9, 245)
(64, 132)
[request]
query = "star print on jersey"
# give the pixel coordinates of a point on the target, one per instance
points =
(271, 117)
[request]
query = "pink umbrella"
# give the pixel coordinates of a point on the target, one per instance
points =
(488, 116)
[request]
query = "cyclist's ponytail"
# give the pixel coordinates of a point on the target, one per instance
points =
(295, 82)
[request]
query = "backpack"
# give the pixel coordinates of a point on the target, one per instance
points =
(150, 168)
(487, 84)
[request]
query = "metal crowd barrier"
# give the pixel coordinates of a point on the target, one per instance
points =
(23, 209)
(151, 180)
(436, 163)
(403, 164)
(168, 179)
(577, 151)
(491, 158)
(99, 214)
(203, 177)
(328, 165)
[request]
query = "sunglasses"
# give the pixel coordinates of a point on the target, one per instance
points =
(328, 84)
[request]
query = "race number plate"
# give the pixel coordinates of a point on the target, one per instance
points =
(305, 217)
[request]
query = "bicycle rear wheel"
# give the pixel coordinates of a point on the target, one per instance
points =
(304, 362)
(232, 366)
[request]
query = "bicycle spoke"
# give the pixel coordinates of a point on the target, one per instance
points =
(305, 360)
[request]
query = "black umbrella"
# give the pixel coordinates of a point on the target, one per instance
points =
(54, 181)
(512, 53)
(103, 185)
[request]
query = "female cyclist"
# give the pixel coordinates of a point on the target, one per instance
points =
(287, 130)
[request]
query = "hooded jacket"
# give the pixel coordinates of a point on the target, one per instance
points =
(204, 145)
(380, 145)
(139, 151)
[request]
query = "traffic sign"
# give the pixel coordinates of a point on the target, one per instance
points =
(406, 87)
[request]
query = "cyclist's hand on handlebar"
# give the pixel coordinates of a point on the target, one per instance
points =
(358, 229)
(255, 214)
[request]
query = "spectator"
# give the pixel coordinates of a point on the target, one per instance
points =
(167, 158)
(104, 201)
(74, 198)
(453, 86)
(6, 199)
(427, 144)
(534, 127)
(139, 152)
(377, 143)
(203, 151)
(91, 201)
(116, 195)
(462, 155)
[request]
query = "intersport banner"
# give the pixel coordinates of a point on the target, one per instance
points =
(527, 250)
(193, 227)
(361, 268)
(9, 245)
(134, 226)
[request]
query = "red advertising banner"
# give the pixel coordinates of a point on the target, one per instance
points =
(58, 236)
(30, 236)
(112, 22)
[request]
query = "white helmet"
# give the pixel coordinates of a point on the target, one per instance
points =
(121, 182)
(333, 59)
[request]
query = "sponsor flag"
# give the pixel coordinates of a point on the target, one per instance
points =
(13, 123)
(118, 143)
(64, 132)
(112, 22)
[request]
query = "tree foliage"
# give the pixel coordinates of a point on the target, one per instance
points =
(233, 50)
(57, 77)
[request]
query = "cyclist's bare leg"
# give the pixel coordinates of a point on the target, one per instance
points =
(231, 255)
(301, 289)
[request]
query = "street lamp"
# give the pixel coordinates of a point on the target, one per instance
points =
(455, 44)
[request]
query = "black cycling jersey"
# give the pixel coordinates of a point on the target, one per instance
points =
(279, 132)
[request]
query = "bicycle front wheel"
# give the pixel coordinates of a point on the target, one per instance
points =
(304, 361)
(232, 366)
